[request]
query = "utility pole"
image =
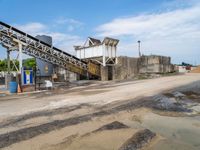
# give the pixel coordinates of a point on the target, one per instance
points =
(139, 48)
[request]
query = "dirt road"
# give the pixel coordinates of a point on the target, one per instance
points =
(94, 94)
(81, 117)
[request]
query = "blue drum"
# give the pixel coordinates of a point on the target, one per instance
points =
(13, 87)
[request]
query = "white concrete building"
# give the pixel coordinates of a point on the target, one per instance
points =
(185, 69)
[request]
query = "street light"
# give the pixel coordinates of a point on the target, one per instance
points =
(139, 48)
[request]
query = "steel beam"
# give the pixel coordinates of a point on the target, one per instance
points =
(10, 37)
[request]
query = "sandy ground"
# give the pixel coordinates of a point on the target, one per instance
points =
(68, 118)
(95, 95)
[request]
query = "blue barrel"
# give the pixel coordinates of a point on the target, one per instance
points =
(13, 87)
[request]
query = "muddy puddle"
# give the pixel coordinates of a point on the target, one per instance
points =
(179, 133)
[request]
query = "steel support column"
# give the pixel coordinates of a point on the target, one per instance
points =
(8, 60)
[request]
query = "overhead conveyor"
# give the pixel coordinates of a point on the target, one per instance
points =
(15, 39)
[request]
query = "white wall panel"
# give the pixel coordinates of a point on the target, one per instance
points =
(96, 51)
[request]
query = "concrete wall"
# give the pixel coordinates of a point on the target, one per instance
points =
(126, 68)
(65, 75)
(155, 64)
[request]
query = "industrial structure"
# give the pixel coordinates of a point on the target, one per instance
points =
(95, 59)
(45, 69)
(104, 53)
(113, 67)
(16, 40)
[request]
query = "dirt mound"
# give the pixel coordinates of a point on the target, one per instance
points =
(112, 126)
(196, 70)
(164, 103)
(138, 140)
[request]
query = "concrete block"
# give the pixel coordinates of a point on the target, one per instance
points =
(104, 73)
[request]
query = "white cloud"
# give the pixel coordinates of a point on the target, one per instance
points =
(175, 33)
(33, 28)
(71, 24)
(177, 22)
(62, 40)
(65, 41)
(63, 20)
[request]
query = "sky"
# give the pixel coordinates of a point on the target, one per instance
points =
(164, 27)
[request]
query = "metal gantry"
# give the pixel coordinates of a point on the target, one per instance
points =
(14, 39)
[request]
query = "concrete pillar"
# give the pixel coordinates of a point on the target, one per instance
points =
(116, 58)
(104, 73)
(104, 55)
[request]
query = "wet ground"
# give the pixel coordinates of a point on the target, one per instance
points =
(173, 116)
(169, 121)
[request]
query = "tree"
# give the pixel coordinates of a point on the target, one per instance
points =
(3, 65)
(29, 63)
(186, 64)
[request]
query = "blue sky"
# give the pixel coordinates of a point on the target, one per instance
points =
(165, 27)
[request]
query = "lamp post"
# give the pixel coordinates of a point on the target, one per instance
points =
(139, 48)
